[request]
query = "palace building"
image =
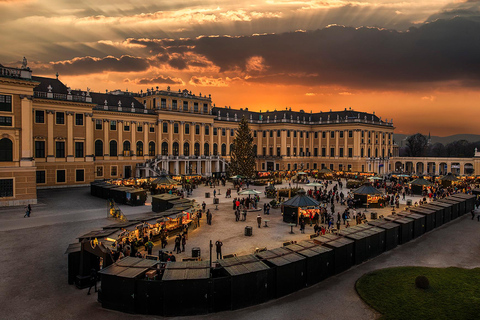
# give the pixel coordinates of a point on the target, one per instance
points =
(53, 136)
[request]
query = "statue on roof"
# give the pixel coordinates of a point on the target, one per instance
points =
(24, 63)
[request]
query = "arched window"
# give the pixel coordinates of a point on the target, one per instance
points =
(151, 148)
(126, 145)
(175, 149)
(113, 148)
(206, 149)
(98, 148)
(224, 149)
(6, 150)
(164, 149)
(139, 148)
(187, 128)
(186, 149)
(196, 149)
(231, 149)
(215, 149)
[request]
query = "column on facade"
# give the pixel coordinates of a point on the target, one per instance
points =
(219, 142)
(275, 142)
(106, 143)
(337, 143)
(267, 142)
(146, 129)
(356, 143)
(327, 134)
(228, 141)
(283, 142)
(304, 142)
(50, 142)
(133, 144)
(259, 142)
(202, 138)
(211, 142)
(298, 143)
(70, 145)
(345, 146)
(192, 138)
(27, 132)
(181, 131)
(158, 143)
(120, 136)
(89, 150)
(170, 138)
(311, 141)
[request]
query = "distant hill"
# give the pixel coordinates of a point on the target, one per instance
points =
(445, 140)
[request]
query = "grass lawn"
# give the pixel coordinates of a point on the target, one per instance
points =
(454, 293)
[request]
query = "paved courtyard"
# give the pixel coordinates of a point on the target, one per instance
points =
(34, 268)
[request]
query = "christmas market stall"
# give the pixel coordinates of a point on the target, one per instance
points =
(448, 180)
(468, 198)
(160, 202)
(420, 185)
(369, 196)
(163, 184)
(342, 248)
(300, 205)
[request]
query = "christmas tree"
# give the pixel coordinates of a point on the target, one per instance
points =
(242, 157)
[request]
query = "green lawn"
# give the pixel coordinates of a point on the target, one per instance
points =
(454, 293)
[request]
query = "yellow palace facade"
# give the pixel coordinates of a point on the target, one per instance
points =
(53, 136)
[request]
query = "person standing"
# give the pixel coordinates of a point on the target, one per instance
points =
(149, 246)
(473, 214)
(244, 214)
(177, 244)
(184, 242)
(259, 220)
(218, 246)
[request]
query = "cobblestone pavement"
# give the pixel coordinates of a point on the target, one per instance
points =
(34, 268)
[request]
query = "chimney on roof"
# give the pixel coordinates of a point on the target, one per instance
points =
(56, 75)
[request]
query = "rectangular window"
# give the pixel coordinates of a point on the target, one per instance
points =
(98, 124)
(215, 131)
(78, 149)
(332, 134)
(223, 132)
(187, 128)
(139, 127)
(99, 171)
(39, 149)
(207, 130)
(271, 133)
(5, 103)
(288, 167)
(341, 134)
(41, 176)
(332, 152)
(301, 134)
(288, 133)
(315, 152)
(301, 152)
(39, 116)
(163, 103)
(60, 118)
(113, 125)
(264, 151)
(278, 152)
(6, 121)
(278, 133)
(350, 152)
(264, 133)
(324, 152)
(126, 126)
(324, 134)
(6, 188)
(341, 152)
(294, 151)
(197, 129)
(113, 171)
(205, 108)
(60, 149)
(174, 105)
(350, 133)
(80, 175)
(185, 105)
(165, 127)
(232, 132)
(316, 135)
(175, 128)
(294, 134)
(288, 151)
(78, 119)
(152, 129)
(61, 178)
(307, 135)
(195, 106)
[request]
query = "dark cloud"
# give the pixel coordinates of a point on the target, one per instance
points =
(178, 63)
(159, 80)
(443, 50)
(87, 65)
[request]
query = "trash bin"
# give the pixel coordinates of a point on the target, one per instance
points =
(248, 231)
(373, 216)
(409, 202)
(216, 201)
(196, 252)
(207, 194)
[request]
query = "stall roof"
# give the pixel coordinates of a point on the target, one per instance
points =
(301, 250)
(301, 200)
(98, 234)
(383, 224)
(74, 247)
(367, 189)
(166, 197)
(164, 180)
(242, 265)
(310, 244)
(334, 240)
(121, 224)
(280, 256)
(421, 182)
(128, 267)
(183, 270)
(464, 195)
(438, 203)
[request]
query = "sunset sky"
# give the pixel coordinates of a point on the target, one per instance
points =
(417, 62)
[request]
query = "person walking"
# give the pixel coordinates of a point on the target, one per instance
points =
(184, 242)
(218, 246)
(244, 215)
(259, 220)
(177, 244)
(149, 246)
(28, 210)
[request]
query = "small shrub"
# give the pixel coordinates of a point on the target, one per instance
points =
(422, 282)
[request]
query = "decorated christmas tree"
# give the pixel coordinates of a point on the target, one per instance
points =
(242, 157)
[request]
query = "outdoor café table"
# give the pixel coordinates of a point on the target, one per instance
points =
(266, 222)
(291, 226)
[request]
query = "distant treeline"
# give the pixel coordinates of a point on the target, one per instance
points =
(417, 146)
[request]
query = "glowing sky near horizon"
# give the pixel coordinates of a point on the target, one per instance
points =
(417, 62)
